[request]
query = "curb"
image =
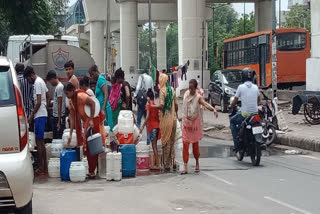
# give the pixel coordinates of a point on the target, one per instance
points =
(298, 142)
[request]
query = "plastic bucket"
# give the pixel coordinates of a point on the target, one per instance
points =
(143, 157)
(95, 144)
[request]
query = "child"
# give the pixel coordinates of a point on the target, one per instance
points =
(84, 85)
(153, 128)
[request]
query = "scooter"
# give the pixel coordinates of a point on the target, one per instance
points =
(267, 114)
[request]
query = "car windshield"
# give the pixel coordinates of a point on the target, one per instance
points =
(291, 41)
(6, 91)
(231, 77)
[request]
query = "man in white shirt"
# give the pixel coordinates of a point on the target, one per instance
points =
(144, 83)
(39, 115)
(59, 105)
(248, 93)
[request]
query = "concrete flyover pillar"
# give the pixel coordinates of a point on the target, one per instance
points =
(97, 43)
(191, 15)
(129, 40)
(263, 15)
(313, 63)
(161, 45)
(206, 44)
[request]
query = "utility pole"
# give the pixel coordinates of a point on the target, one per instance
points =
(213, 51)
(108, 48)
(279, 13)
(150, 34)
(244, 18)
(202, 62)
(214, 59)
(274, 50)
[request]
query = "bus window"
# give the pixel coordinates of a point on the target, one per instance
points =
(291, 41)
(268, 49)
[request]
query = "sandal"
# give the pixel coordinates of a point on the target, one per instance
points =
(155, 168)
(89, 176)
(197, 170)
(184, 173)
(39, 173)
(174, 167)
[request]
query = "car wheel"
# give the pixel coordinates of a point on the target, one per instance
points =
(224, 107)
(26, 209)
(210, 100)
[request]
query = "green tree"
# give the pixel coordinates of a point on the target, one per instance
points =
(29, 17)
(26, 17)
(226, 25)
(224, 19)
(4, 33)
(172, 45)
(244, 25)
(144, 51)
(298, 16)
(59, 9)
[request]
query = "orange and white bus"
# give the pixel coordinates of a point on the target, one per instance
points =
(255, 51)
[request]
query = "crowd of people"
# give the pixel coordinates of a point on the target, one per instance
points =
(69, 100)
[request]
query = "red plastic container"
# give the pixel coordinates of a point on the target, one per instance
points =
(125, 138)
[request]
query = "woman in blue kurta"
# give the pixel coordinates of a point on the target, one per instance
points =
(102, 94)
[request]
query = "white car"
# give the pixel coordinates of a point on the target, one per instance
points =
(16, 171)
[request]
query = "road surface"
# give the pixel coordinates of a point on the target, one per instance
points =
(282, 184)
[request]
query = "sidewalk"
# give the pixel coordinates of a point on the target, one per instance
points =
(300, 134)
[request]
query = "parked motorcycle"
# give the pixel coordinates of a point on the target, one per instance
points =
(269, 120)
(250, 138)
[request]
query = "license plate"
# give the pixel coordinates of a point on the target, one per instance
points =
(257, 130)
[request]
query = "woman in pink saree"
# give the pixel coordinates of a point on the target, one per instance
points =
(192, 123)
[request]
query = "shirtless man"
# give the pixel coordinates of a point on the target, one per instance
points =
(69, 67)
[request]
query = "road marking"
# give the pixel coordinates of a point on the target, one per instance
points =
(287, 205)
(310, 157)
(219, 179)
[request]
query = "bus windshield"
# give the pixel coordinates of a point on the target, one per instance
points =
(291, 41)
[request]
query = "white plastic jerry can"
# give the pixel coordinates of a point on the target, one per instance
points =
(86, 165)
(77, 171)
(114, 171)
(102, 165)
(54, 168)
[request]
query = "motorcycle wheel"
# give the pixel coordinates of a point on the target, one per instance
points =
(271, 135)
(256, 155)
(240, 155)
